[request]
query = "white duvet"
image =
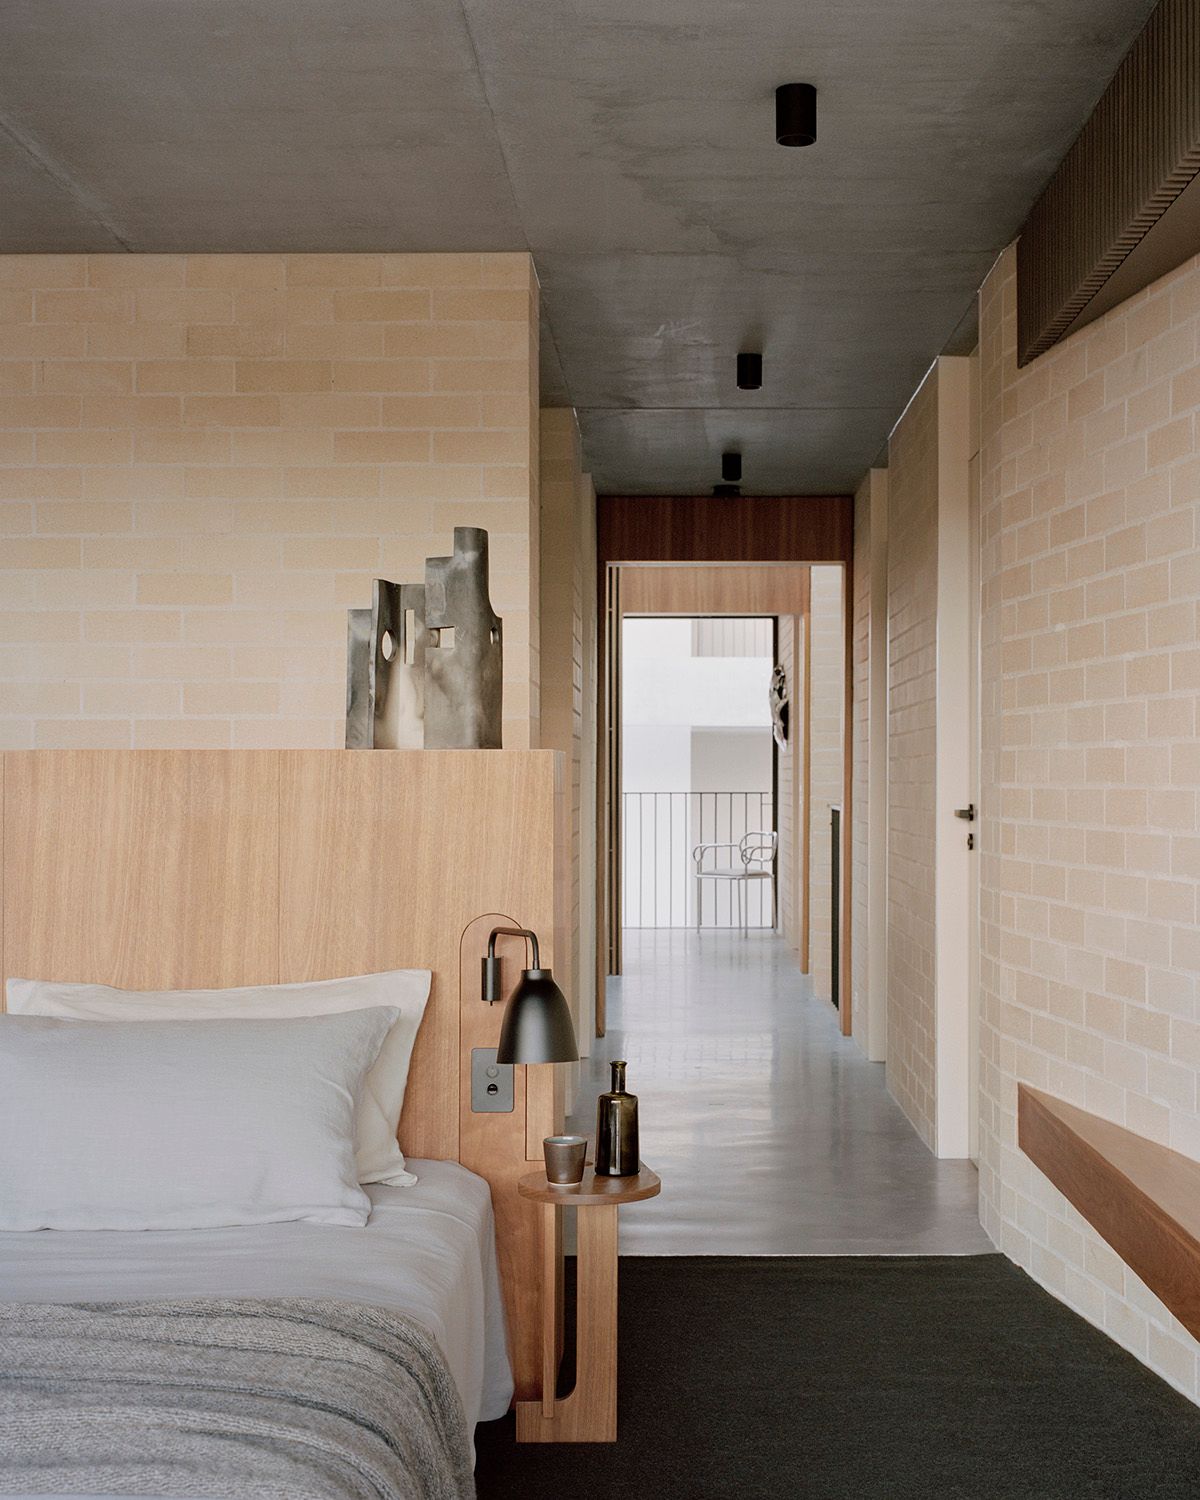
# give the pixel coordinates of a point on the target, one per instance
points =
(428, 1250)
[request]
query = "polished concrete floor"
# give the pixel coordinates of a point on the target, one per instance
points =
(772, 1133)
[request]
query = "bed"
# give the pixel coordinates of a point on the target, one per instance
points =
(183, 869)
(427, 1251)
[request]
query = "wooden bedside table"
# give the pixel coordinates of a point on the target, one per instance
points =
(589, 1413)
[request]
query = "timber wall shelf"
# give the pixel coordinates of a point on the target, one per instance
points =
(1142, 1198)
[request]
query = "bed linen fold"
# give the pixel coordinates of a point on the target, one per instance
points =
(228, 1399)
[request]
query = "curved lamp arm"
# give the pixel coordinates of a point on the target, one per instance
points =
(521, 932)
(491, 964)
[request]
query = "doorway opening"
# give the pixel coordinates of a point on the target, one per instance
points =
(725, 752)
(698, 797)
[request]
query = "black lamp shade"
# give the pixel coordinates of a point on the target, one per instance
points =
(731, 467)
(795, 114)
(537, 1025)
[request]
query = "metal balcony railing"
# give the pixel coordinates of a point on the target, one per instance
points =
(660, 830)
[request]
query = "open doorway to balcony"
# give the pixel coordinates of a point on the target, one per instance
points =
(698, 798)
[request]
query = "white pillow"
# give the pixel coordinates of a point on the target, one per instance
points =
(405, 990)
(182, 1124)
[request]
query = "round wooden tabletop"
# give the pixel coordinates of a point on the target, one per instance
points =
(592, 1189)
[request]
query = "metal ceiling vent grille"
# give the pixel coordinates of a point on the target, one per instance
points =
(1135, 155)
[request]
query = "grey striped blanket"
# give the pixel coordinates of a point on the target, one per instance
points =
(203, 1398)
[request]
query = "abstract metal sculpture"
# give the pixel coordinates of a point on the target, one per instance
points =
(425, 664)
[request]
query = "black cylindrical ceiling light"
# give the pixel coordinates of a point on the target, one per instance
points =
(795, 114)
(731, 467)
(749, 372)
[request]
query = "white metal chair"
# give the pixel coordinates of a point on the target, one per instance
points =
(755, 860)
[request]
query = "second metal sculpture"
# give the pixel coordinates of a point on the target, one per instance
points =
(425, 664)
(464, 665)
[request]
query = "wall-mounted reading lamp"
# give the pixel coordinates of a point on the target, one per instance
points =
(537, 1025)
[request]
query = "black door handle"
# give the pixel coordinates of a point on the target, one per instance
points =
(967, 812)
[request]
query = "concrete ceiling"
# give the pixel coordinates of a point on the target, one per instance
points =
(627, 143)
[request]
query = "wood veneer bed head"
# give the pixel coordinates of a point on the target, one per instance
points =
(175, 869)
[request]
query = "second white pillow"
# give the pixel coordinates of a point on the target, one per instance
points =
(377, 1152)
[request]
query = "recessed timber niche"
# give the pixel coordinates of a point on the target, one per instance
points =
(1144, 1199)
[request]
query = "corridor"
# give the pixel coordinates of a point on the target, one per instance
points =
(772, 1133)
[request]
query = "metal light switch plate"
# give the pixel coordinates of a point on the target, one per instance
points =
(491, 1083)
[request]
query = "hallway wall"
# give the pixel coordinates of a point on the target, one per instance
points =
(826, 785)
(789, 793)
(205, 459)
(868, 957)
(1090, 847)
(930, 867)
(567, 613)
(860, 705)
(912, 759)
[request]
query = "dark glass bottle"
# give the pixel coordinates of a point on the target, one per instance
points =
(617, 1129)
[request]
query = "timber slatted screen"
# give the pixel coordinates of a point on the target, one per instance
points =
(1135, 155)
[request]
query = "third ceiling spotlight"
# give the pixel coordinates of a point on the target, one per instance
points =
(731, 473)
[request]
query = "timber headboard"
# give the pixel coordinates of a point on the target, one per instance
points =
(175, 869)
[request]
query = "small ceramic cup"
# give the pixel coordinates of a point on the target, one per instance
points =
(564, 1159)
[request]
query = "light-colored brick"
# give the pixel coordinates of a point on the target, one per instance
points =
(85, 447)
(231, 411)
(381, 306)
(83, 518)
(71, 376)
(381, 447)
(266, 423)
(176, 376)
(133, 272)
(381, 375)
(57, 553)
(481, 307)
(184, 588)
(131, 625)
(284, 375)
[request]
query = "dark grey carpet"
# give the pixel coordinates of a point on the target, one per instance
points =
(870, 1379)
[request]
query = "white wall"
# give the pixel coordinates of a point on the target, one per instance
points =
(657, 758)
(725, 760)
(664, 683)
